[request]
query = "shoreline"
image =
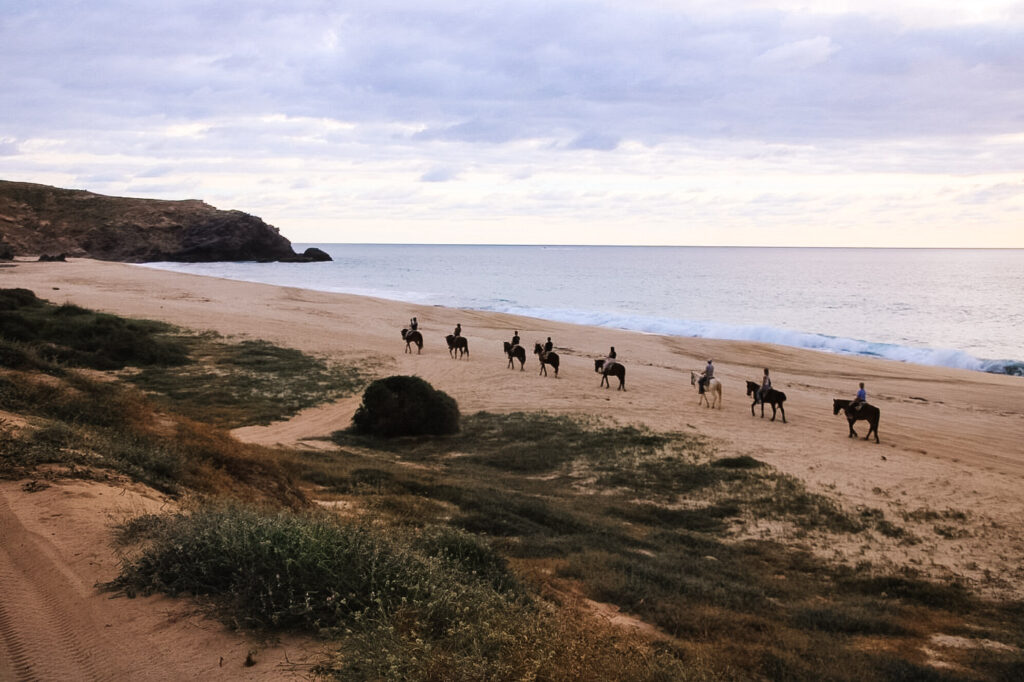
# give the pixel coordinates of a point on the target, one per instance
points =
(893, 348)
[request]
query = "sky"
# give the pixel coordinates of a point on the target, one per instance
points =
(746, 122)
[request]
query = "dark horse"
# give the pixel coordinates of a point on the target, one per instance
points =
(869, 413)
(771, 396)
(457, 345)
(546, 358)
(411, 337)
(515, 352)
(616, 369)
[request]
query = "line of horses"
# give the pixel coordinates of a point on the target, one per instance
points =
(458, 347)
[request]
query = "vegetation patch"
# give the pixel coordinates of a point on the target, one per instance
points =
(248, 382)
(438, 604)
(405, 406)
(645, 521)
(35, 334)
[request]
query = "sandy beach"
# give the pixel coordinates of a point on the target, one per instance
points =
(950, 439)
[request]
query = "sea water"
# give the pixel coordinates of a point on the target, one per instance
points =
(951, 307)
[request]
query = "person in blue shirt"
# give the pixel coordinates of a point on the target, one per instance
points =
(862, 397)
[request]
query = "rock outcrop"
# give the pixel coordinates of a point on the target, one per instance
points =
(39, 219)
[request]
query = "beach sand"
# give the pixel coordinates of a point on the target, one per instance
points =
(950, 439)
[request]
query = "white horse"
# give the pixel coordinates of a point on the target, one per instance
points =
(714, 387)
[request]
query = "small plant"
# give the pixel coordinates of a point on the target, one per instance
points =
(405, 406)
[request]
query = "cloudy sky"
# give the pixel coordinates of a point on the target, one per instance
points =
(755, 122)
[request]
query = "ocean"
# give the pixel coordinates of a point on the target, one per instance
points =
(949, 307)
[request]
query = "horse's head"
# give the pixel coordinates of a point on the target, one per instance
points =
(598, 365)
(836, 406)
(508, 347)
(751, 387)
(693, 378)
(404, 332)
(537, 348)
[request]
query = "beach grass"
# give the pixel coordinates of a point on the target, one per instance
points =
(437, 604)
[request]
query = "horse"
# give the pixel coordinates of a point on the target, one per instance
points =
(616, 369)
(457, 345)
(515, 352)
(546, 358)
(771, 396)
(412, 336)
(868, 413)
(714, 387)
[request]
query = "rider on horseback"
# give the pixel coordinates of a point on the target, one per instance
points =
(766, 384)
(862, 397)
(515, 338)
(706, 376)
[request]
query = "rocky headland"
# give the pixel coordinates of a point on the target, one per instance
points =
(40, 220)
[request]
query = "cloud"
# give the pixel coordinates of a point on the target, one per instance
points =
(439, 174)
(595, 141)
(801, 54)
(258, 103)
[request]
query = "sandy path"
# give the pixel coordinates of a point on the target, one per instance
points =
(55, 624)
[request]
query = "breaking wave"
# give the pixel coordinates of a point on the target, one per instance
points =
(939, 357)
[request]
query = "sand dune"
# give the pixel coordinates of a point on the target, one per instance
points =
(950, 439)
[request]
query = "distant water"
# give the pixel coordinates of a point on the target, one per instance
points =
(954, 308)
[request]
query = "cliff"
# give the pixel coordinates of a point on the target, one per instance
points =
(42, 220)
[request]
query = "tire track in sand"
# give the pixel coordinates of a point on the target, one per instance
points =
(45, 629)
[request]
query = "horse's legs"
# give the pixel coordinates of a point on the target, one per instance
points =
(782, 409)
(874, 427)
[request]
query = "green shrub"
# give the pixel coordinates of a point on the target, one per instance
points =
(13, 299)
(78, 337)
(405, 406)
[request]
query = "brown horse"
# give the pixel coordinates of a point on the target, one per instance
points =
(515, 352)
(868, 413)
(457, 345)
(546, 358)
(771, 396)
(411, 337)
(616, 369)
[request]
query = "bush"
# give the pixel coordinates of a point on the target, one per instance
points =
(405, 406)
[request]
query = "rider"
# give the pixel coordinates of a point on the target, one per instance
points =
(862, 397)
(707, 376)
(458, 329)
(413, 323)
(548, 346)
(515, 338)
(766, 383)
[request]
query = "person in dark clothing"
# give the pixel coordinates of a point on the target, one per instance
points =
(515, 338)
(548, 346)
(458, 329)
(413, 324)
(766, 383)
(706, 376)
